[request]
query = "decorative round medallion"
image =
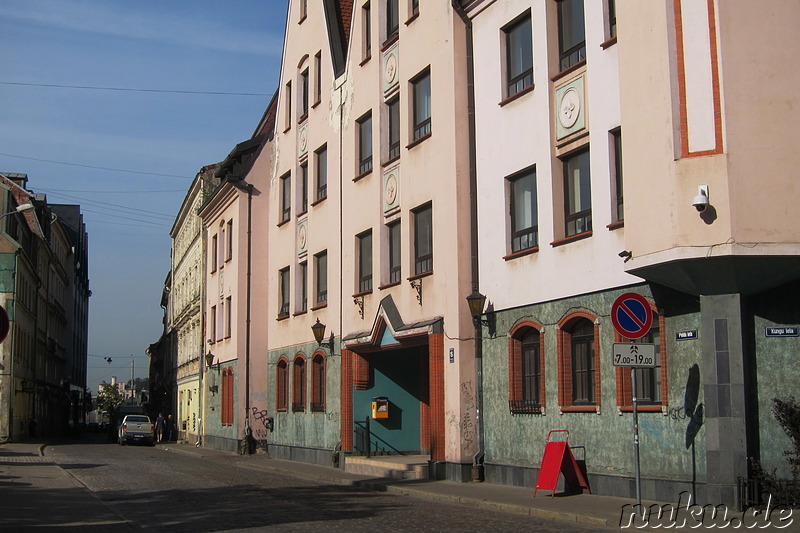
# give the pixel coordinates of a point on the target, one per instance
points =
(302, 236)
(570, 108)
(391, 68)
(390, 191)
(303, 139)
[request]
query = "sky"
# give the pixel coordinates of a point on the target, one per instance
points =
(128, 157)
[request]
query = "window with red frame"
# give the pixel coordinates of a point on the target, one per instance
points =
(227, 397)
(299, 384)
(318, 383)
(526, 369)
(282, 385)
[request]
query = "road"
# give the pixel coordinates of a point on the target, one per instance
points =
(163, 489)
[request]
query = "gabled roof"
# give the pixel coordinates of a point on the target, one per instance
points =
(339, 18)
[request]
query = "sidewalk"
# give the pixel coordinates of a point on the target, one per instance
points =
(36, 493)
(601, 511)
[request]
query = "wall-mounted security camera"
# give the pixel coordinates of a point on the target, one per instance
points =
(700, 202)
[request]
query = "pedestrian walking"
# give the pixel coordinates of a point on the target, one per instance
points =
(160, 427)
(170, 427)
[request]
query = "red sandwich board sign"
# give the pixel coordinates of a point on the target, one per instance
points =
(558, 459)
(631, 315)
(4, 324)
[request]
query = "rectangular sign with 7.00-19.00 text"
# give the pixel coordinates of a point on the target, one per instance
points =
(634, 354)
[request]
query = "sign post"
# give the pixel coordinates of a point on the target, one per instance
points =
(632, 318)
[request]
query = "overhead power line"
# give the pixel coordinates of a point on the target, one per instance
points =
(129, 89)
(95, 167)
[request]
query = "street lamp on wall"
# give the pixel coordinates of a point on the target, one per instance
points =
(21, 208)
(477, 302)
(319, 333)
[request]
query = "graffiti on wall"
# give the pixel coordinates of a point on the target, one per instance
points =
(261, 430)
(468, 431)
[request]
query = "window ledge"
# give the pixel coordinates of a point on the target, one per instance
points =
(649, 408)
(362, 175)
(390, 41)
(566, 72)
(412, 18)
(365, 60)
(289, 127)
(421, 275)
(418, 141)
(521, 253)
(389, 285)
(516, 95)
(298, 313)
(390, 161)
(616, 225)
(573, 238)
(301, 213)
(281, 409)
(609, 42)
(284, 222)
(303, 117)
(281, 317)
(228, 260)
(320, 306)
(304, 17)
(315, 104)
(318, 201)
(362, 293)
(580, 409)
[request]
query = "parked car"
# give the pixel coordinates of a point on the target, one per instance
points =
(137, 428)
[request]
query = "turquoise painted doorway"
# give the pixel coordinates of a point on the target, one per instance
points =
(394, 374)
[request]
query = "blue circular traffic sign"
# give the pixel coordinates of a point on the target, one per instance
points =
(631, 315)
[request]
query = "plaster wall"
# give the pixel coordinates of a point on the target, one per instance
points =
(433, 170)
(520, 134)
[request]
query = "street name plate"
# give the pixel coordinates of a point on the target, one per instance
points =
(783, 331)
(634, 354)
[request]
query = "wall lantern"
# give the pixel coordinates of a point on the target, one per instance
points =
(319, 333)
(210, 360)
(476, 302)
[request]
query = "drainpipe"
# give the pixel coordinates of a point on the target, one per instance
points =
(477, 460)
(248, 431)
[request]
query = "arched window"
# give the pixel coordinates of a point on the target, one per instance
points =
(526, 368)
(318, 383)
(282, 385)
(650, 382)
(578, 363)
(299, 384)
(227, 397)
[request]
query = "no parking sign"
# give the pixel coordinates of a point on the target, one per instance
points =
(631, 315)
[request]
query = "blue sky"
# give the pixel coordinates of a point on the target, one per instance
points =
(59, 136)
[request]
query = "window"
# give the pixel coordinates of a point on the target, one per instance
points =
(212, 324)
(214, 252)
(612, 18)
(317, 77)
(286, 198)
(302, 282)
(582, 350)
(394, 252)
(303, 10)
(288, 107)
(648, 380)
(367, 30)
(230, 241)
(365, 261)
(414, 7)
(226, 416)
(392, 19)
(321, 272)
(577, 193)
(303, 94)
(322, 172)
(282, 385)
(222, 240)
(221, 317)
(616, 145)
(526, 369)
(571, 33)
(318, 383)
(303, 207)
(524, 215)
(519, 55)
(365, 144)
(393, 114)
(228, 317)
(284, 292)
(299, 384)
(422, 105)
(423, 239)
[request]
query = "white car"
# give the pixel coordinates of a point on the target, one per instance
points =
(137, 428)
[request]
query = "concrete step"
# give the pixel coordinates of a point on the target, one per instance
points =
(388, 467)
